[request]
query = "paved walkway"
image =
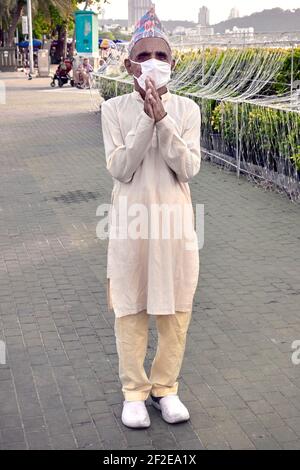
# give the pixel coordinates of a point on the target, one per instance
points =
(59, 388)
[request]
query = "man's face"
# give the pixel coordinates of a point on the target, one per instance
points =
(145, 49)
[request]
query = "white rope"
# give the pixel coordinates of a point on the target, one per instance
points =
(245, 124)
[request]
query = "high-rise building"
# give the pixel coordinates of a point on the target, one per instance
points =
(136, 9)
(234, 13)
(203, 16)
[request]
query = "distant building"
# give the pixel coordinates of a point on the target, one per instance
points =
(203, 16)
(179, 30)
(234, 13)
(136, 9)
(241, 32)
(113, 22)
(196, 31)
(191, 32)
(113, 26)
(205, 30)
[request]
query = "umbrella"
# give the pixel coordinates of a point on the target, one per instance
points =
(36, 43)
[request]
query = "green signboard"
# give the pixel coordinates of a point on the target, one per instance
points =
(86, 24)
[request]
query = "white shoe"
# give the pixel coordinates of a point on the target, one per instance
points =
(172, 409)
(135, 414)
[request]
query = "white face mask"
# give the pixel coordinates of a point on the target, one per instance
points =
(158, 70)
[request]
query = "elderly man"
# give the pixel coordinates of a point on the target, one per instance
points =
(152, 148)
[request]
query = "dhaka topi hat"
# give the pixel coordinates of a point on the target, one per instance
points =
(149, 26)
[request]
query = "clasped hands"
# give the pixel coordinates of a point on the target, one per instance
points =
(153, 105)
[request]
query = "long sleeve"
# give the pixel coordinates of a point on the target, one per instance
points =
(182, 154)
(124, 156)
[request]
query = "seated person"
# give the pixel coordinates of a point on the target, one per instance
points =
(82, 74)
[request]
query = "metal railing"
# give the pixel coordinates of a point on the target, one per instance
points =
(8, 61)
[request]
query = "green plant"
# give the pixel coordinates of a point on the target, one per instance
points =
(296, 159)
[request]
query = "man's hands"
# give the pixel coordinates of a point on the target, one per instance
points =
(153, 104)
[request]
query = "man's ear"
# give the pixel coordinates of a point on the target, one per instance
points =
(127, 64)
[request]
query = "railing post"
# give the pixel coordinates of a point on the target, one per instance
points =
(203, 65)
(238, 156)
(292, 71)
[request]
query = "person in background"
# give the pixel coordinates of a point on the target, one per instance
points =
(102, 66)
(87, 70)
(82, 75)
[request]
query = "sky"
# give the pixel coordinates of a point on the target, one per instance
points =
(188, 9)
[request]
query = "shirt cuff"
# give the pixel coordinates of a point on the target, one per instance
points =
(166, 123)
(147, 119)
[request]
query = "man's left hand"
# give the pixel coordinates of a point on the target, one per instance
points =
(158, 109)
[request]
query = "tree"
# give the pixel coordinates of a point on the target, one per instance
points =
(11, 11)
(44, 11)
(107, 35)
(41, 26)
(94, 4)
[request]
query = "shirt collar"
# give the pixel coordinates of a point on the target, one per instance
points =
(165, 97)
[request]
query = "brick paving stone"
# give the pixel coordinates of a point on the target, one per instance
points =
(213, 439)
(294, 445)
(284, 434)
(294, 424)
(164, 442)
(38, 440)
(191, 445)
(63, 442)
(11, 435)
(87, 437)
(60, 387)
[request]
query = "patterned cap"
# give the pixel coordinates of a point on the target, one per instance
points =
(149, 26)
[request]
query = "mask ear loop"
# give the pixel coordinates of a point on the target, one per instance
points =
(134, 62)
(139, 63)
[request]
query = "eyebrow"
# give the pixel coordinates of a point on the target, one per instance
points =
(146, 53)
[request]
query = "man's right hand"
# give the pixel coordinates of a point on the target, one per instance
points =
(147, 102)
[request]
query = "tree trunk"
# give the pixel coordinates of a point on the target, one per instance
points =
(60, 47)
(14, 21)
(65, 47)
(72, 49)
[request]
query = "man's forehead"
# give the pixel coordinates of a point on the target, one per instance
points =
(150, 45)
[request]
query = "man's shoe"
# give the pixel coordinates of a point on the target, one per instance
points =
(135, 414)
(172, 409)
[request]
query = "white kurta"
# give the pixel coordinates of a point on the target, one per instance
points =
(151, 164)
